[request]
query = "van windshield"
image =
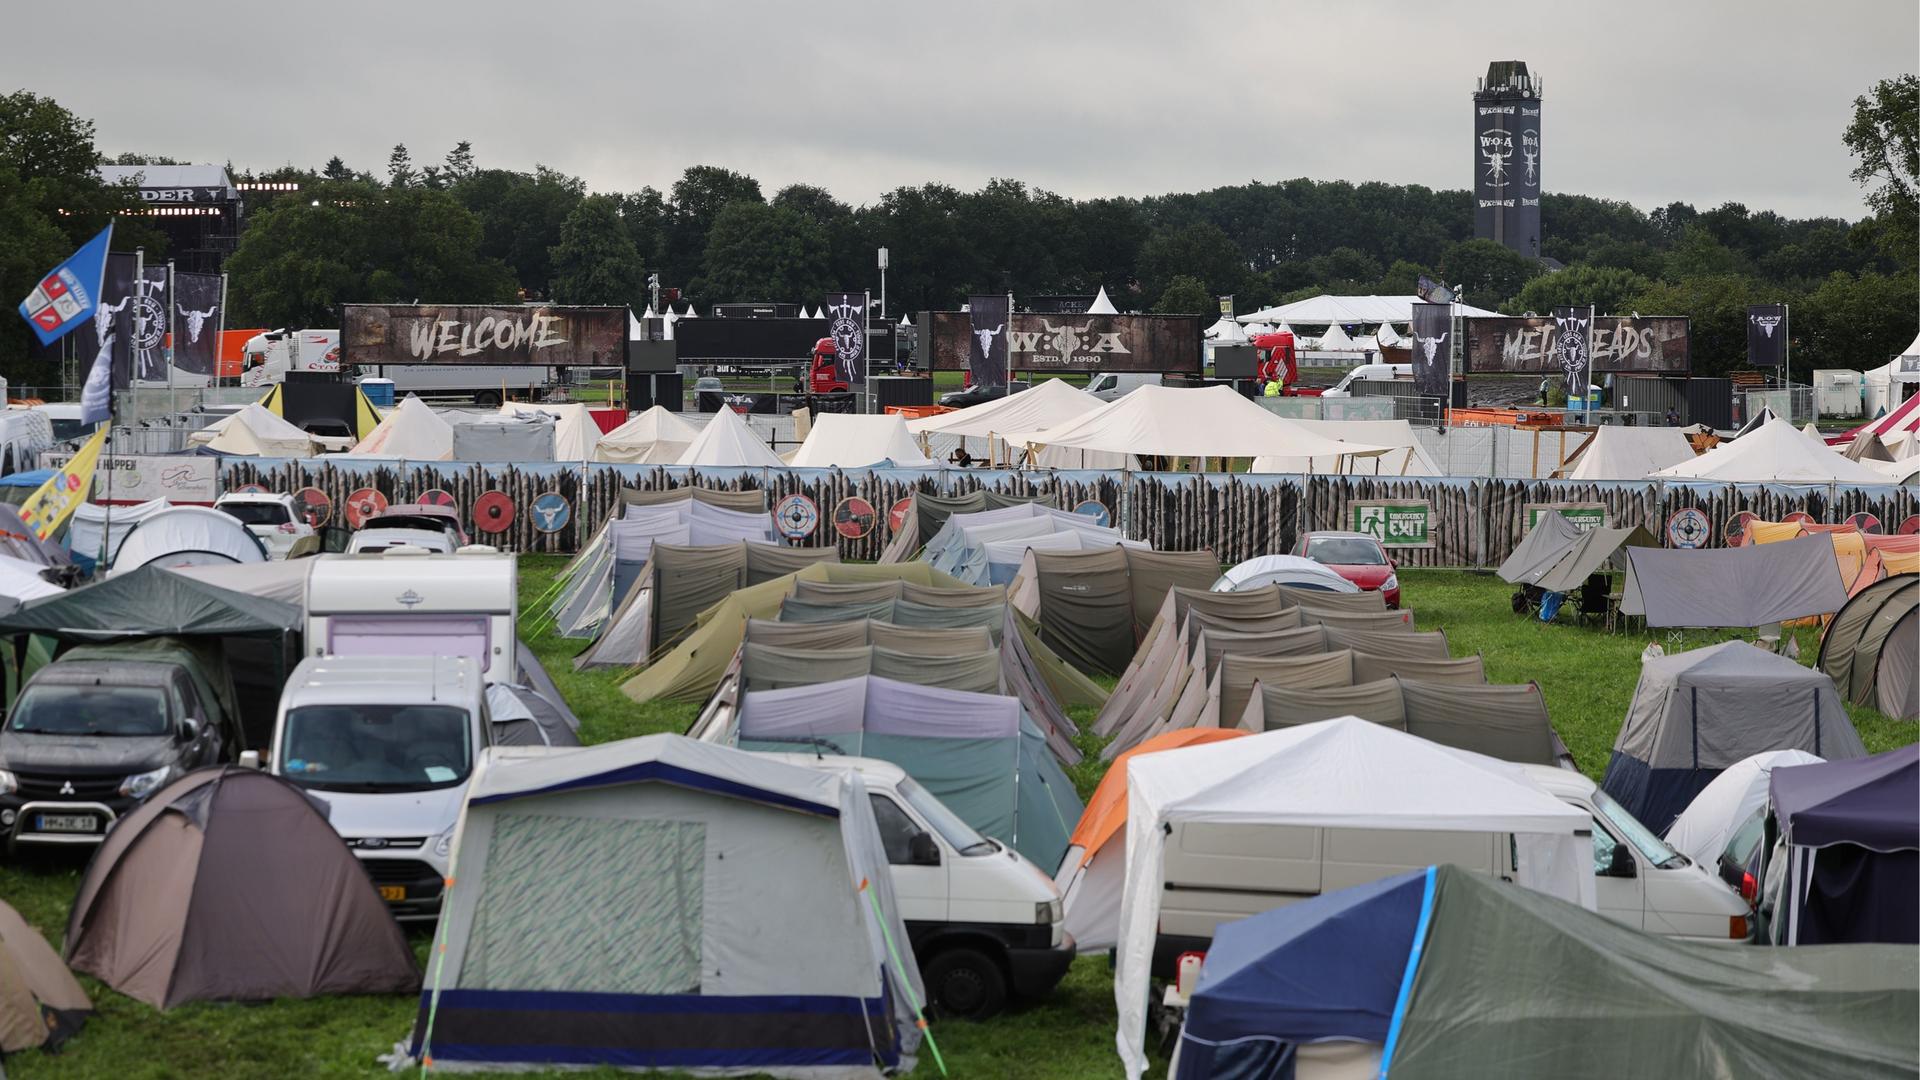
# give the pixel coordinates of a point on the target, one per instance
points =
(371, 748)
(1651, 847)
(53, 709)
(256, 513)
(958, 834)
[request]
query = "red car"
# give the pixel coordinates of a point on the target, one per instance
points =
(1355, 556)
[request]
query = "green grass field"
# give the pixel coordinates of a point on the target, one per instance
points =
(1586, 674)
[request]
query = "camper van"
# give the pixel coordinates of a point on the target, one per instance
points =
(984, 922)
(407, 601)
(389, 744)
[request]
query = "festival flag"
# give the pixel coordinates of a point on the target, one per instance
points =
(53, 502)
(846, 316)
(987, 318)
(67, 295)
(1767, 335)
(196, 322)
(1432, 349)
(1573, 341)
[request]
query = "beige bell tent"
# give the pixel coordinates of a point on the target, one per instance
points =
(1774, 452)
(1213, 421)
(411, 431)
(1049, 403)
(1629, 453)
(727, 442)
(653, 437)
(847, 441)
(256, 431)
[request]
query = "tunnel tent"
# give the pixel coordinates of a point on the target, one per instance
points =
(1872, 647)
(1741, 587)
(1698, 712)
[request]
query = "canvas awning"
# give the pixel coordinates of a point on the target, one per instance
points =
(1739, 587)
(149, 602)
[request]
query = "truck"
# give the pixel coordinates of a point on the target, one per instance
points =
(269, 355)
(985, 923)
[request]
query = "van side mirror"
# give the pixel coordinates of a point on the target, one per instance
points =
(922, 850)
(1622, 864)
(249, 759)
(189, 729)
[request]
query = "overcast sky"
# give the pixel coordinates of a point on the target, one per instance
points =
(1644, 101)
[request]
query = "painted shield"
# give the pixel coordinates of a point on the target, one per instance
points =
(551, 512)
(362, 504)
(1864, 521)
(1689, 527)
(1096, 510)
(1911, 525)
(1800, 516)
(493, 512)
(796, 517)
(897, 516)
(315, 507)
(438, 497)
(854, 517)
(1735, 529)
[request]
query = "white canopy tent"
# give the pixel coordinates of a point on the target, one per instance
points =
(1226, 331)
(1336, 340)
(850, 441)
(1404, 456)
(411, 431)
(574, 432)
(727, 442)
(1212, 421)
(1050, 403)
(1775, 452)
(1325, 309)
(256, 431)
(654, 437)
(1345, 773)
(1630, 453)
(1102, 305)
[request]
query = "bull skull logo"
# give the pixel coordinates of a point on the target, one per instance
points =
(103, 314)
(986, 339)
(1766, 323)
(1064, 339)
(1430, 346)
(196, 322)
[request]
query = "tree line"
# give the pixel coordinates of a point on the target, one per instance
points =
(453, 231)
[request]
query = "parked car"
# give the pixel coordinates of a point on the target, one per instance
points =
(1355, 556)
(369, 541)
(984, 922)
(981, 393)
(389, 742)
(431, 516)
(103, 727)
(275, 519)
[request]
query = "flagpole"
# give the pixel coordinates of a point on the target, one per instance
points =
(139, 331)
(219, 333)
(171, 305)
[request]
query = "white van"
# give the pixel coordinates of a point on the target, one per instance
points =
(1373, 372)
(1114, 385)
(406, 601)
(389, 744)
(984, 922)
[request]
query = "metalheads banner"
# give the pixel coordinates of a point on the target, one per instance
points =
(1521, 345)
(987, 318)
(1573, 345)
(1767, 335)
(1432, 348)
(196, 322)
(847, 326)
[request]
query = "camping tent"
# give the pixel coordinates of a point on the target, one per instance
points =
(1441, 973)
(926, 513)
(1091, 876)
(229, 885)
(411, 431)
(1852, 833)
(653, 437)
(41, 1005)
(87, 529)
(1343, 773)
(1404, 456)
(1739, 587)
(1774, 453)
(989, 547)
(980, 754)
(1557, 557)
(150, 602)
(1695, 713)
(1094, 605)
(20, 581)
(850, 441)
(1630, 453)
(1049, 403)
(1264, 570)
(727, 442)
(255, 431)
(184, 535)
(1213, 421)
(1872, 647)
(669, 904)
(574, 432)
(1702, 830)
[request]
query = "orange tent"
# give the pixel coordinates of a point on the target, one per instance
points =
(1106, 812)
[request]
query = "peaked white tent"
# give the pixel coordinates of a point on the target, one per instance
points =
(1335, 340)
(1775, 452)
(574, 432)
(1226, 331)
(727, 442)
(635, 331)
(411, 431)
(1631, 453)
(1325, 309)
(1102, 305)
(1387, 336)
(849, 441)
(1213, 421)
(256, 431)
(1344, 773)
(1404, 457)
(666, 322)
(690, 314)
(654, 437)
(1050, 403)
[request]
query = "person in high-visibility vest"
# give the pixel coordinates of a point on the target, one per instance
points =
(1273, 388)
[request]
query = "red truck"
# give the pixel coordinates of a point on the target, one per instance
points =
(1277, 361)
(823, 374)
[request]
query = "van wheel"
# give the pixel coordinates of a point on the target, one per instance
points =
(966, 984)
(487, 397)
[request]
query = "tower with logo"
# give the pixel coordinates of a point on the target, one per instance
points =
(1506, 157)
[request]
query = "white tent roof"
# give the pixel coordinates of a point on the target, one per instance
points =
(411, 430)
(187, 534)
(635, 331)
(690, 314)
(1336, 340)
(257, 431)
(1350, 309)
(1775, 452)
(1342, 773)
(1049, 403)
(906, 320)
(1387, 336)
(574, 432)
(850, 441)
(654, 437)
(1405, 456)
(1631, 453)
(86, 534)
(1102, 305)
(727, 442)
(1262, 570)
(1226, 331)
(1702, 830)
(1188, 422)
(284, 580)
(20, 580)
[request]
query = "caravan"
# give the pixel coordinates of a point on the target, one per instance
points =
(406, 601)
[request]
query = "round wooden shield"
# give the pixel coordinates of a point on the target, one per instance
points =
(1800, 516)
(1911, 525)
(1096, 510)
(796, 516)
(1864, 521)
(315, 507)
(1736, 529)
(438, 497)
(493, 512)
(362, 504)
(1689, 527)
(897, 516)
(551, 512)
(854, 517)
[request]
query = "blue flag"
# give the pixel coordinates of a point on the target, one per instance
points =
(69, 292)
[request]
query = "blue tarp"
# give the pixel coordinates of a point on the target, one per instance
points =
(32, 478)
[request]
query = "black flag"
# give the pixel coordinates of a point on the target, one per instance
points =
(1432, 349)
(847, 325)
(196, 322)
(1767, 335)
(1572, 343)
(114, 316)
(987, 318)
(148, 337)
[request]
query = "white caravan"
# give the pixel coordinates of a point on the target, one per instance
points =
(406, 601)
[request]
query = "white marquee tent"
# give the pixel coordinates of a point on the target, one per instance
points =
(654, 437)
(1212, 421)
(1349, 309)
(851, 441)
(727, 442)
(1775, 452)
(1404, 457)
(1630, 453)
(1050, 403)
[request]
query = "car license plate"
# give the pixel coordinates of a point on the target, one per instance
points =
(393, 893)
(66, 823)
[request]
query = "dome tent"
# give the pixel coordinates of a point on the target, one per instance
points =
(1872, 647)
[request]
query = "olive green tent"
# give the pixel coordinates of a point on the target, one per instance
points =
(1872, 647)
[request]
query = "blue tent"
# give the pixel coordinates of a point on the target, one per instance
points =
(1863, 817)
(32, 478)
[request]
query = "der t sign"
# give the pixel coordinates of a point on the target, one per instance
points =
(529, 334)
